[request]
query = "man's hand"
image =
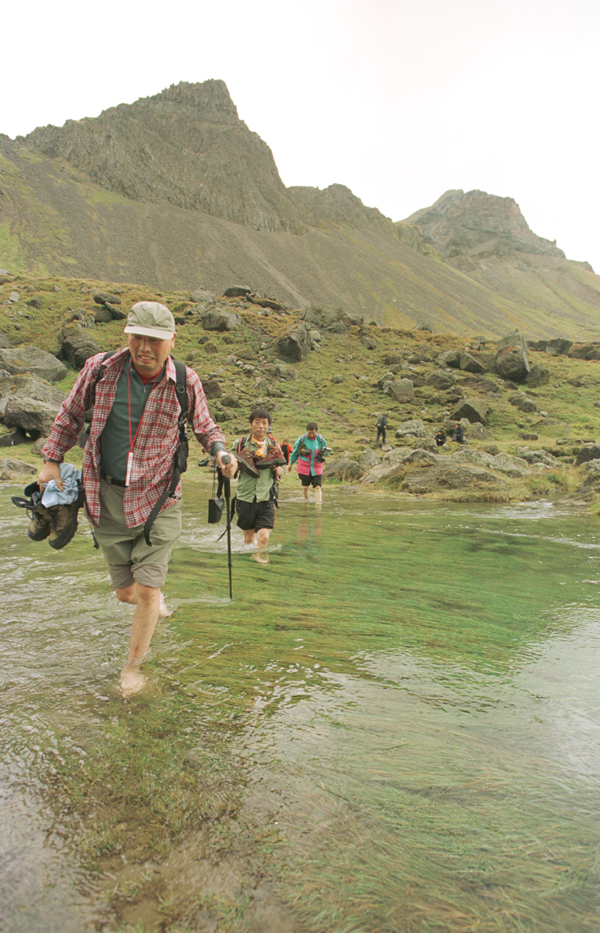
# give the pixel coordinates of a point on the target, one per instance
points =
(50, 471)
(278, 473)
(227, 469)
(289, 469)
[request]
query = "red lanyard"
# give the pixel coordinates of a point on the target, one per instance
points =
(132, 441)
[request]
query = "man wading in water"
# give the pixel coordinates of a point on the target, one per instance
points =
(261, 463)
(129, 463)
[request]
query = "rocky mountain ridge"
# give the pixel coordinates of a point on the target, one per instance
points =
(176, 191)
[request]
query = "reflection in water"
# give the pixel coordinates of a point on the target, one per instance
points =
(401, 711)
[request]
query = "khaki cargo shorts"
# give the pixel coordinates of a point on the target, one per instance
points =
(129, 558)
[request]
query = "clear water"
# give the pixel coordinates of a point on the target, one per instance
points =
(402, 709)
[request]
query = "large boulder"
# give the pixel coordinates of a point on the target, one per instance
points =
(12, 470)
(511, 358)
(34, 361)
(414, 428)
(29, 403)
(295, 343)
(585, 351)
(331, 320)
(472, 409)
(538, 376)
(470, 364)
(342, 468)
(524, 403)
(401, 390)
(440, 379)
(587, 453)
(448, 475)
(77, 345)
(219, 320)
(558, 346)
(449, 358)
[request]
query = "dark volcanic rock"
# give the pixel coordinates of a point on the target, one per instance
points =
(77, 345)
(101, 299)
(511, 358)
(587, 453)
(237, 291)
(472, 409)
(295, 344)
(219, 320)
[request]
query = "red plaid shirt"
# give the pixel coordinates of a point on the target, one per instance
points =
(155, 445)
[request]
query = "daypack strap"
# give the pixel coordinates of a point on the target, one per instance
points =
(181, 454)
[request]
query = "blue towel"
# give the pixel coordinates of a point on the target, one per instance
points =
(55, 496)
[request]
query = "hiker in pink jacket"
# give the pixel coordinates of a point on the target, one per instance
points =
(309, 453)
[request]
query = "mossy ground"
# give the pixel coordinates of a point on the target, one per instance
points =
(346, 410)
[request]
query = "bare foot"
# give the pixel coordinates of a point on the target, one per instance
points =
(261, 556)
(131, 682)
(162, 609)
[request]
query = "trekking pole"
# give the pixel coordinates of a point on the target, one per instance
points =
(225, 459)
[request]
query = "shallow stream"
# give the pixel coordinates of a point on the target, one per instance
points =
(394, 726)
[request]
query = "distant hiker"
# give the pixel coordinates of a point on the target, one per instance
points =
(261, 462)
(381, 430)
(309, 452)
(440, 437)
(286, 449)
(132, 460)
(458, 433)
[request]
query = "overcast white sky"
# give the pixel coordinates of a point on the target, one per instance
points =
(400, 100)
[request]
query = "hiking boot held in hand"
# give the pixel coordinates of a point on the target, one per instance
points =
(63, 521)
(245, 461)
(39, 526)
(273, 458)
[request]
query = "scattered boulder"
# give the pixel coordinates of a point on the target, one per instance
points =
(471, 409)
(220, 320)
(34, 361)
(268, 303)
(369, 342)
(115, 313)
(368, 459)
(450, 358)
(511, 358)
(524, 403)
(14, 298)
(237, 291)
(4, 342)
(337, 379)
(212, 389)
(558, 346)
(330, 320)
(77, 345)
(103, 315)
(448, 475)
(401, 390)
(440, 379)
(470, 364)
(202, 297)
(101, 298)
(538, 376)
(414, 427)
(342, 468)
(295, 343)
(584, 351)
(587, 453)
(12, 470)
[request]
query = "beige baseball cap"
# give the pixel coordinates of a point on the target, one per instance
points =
(151, 319)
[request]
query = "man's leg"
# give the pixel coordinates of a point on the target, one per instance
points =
(318, 495)
(262, 540)
(128, 594)
(147, 601)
